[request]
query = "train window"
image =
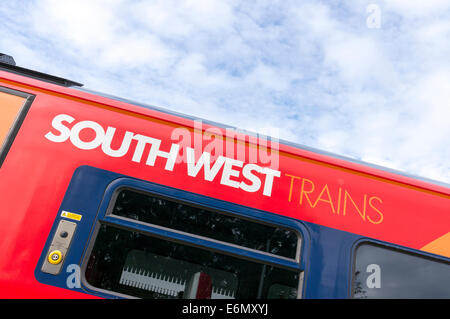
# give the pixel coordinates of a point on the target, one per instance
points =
(155, 210)
(13, 107)
(132, 263)
(382, 272)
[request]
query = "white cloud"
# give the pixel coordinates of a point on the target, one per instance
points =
(135, 50)
(80, 24)
(416, 9)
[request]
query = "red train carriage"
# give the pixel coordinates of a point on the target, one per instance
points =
(103, 197)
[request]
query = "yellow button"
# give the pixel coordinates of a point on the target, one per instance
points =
(55, 257)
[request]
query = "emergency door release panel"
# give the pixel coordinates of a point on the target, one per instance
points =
(59, 247)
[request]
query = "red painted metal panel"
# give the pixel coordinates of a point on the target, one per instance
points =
(310, 187)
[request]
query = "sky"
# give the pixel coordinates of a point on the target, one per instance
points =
(369, 80)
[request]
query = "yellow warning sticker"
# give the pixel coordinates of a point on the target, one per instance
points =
(71, 215)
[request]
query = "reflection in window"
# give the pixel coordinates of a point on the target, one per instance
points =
(170, 276)
(10, 107)
(135, 264)
(277, 291)
(390, 273)
(231, 229)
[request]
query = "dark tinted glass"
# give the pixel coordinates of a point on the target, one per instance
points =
(158, 211)
(138, 265)
(388, 273)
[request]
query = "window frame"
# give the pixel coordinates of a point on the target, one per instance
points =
(17, 124)
(391, 247)
(105, 217)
